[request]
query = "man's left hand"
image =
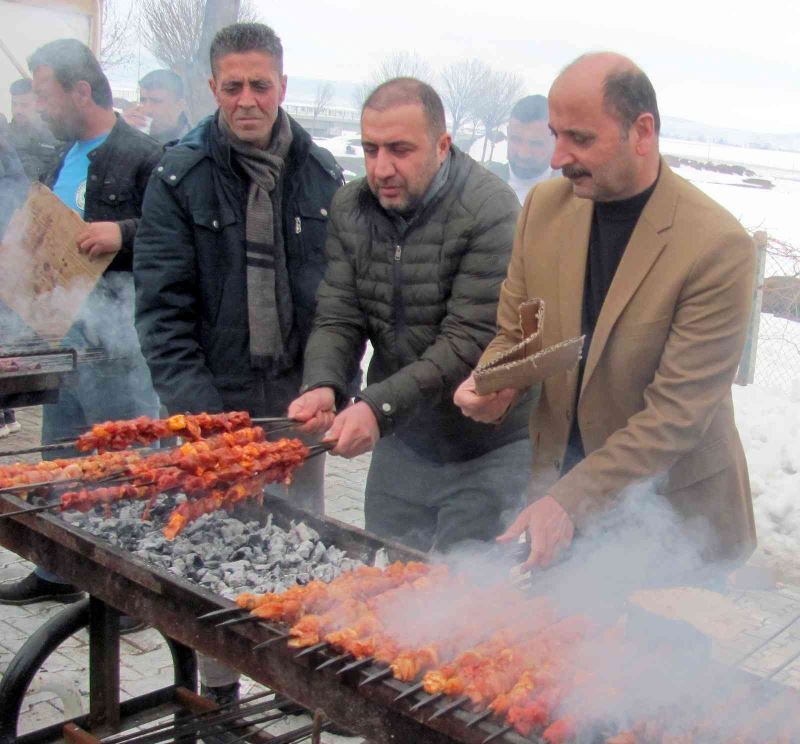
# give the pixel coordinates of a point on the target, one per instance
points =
(100, 238)
(355, 431)
(550, 531)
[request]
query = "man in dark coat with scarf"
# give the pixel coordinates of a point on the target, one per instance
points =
(229, 254)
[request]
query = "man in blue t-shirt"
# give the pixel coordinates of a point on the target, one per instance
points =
(101, 173)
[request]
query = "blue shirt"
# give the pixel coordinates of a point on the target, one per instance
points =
(70, 186)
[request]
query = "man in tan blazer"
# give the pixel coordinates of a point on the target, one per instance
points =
(659, 278)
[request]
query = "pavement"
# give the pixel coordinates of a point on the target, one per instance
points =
(61, 687)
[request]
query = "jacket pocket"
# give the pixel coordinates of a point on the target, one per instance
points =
(308, 229)
(698, 465)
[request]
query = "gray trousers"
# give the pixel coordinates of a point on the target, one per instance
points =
(435, 506)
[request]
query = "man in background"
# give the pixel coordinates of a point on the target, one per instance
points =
(161, 111)
(529, 147)
(101, 173)
(27, 133)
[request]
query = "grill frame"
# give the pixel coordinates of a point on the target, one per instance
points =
(31, 387)
(172, 604)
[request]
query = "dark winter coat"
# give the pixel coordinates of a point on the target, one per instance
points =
(427, 303)
(115, 184)
(190, 271)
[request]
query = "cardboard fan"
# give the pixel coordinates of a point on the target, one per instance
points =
(45, 279)
(527, 362)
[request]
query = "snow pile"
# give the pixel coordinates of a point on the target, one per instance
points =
(769, 425)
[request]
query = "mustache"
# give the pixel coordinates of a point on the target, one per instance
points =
(573, 171)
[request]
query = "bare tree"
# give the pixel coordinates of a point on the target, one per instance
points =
(322, 97)
(402, 64)
(116, 37)
(179, 33)
(500, 91)
(396, 64)
(462, 84)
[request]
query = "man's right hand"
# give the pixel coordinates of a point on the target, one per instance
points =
(483, 408)
(316, 409)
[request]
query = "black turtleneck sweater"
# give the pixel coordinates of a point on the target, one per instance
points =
(612, 226)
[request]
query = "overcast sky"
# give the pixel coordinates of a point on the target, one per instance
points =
(723, 63)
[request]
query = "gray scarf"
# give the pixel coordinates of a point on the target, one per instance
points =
(269, 295)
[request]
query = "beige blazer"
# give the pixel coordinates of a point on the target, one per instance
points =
(655, 400)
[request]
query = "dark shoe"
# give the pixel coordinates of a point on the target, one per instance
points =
(223, 695)
(128, 624)
(35, 589)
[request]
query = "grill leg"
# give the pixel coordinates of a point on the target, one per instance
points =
(29, 659)
(184, 663)
(103, 665)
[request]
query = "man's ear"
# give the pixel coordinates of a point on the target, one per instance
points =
(443, 145)
(82, 93)
(212, 84)
(645, 130)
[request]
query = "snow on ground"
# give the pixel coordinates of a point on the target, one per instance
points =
(769, 425)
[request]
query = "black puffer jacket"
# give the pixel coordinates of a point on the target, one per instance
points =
(190, 271)
(115, 184)
(426, 302)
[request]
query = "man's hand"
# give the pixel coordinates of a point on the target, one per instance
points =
(315, 409)
(355, 431)
(100, 238)
(549, 528)
(483, 408)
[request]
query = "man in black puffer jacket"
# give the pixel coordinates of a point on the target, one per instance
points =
(416, 255)
(223, 309)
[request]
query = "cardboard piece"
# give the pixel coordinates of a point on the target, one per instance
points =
(45, 279)
(527, 362)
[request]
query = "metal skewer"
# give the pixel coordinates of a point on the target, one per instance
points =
(221, 613)
(376, 677)
(333, 660)
(410, 691)
(497, 734)
(311, 649)
(269, 642)
(445, 709)
(478, 718)
(357, 664)
(427, 701)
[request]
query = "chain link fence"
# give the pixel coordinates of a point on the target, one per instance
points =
(772, 353)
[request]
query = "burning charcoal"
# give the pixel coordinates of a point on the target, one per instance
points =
(291, 559)
(304, 532)
(349, 564)
(305, 549)
(245, 553)
(179, 566)
(303, 577)
(318, 553)
(333, 555)
(231, 529)
(324, 573)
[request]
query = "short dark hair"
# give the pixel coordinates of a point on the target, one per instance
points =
(21, 87)
(530, 108)
(627, 95)
(402, 91)
(72, 62)
(246, 37)
(163, 80)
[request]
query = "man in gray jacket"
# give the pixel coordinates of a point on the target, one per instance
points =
(416, 254)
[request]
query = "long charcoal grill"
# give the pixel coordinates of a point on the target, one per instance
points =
(40, 374)
(119, 582)
(361, 696)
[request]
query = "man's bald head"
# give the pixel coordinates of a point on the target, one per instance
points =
(405, 91)
(627, 91)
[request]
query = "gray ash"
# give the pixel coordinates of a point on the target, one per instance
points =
(217, 551)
